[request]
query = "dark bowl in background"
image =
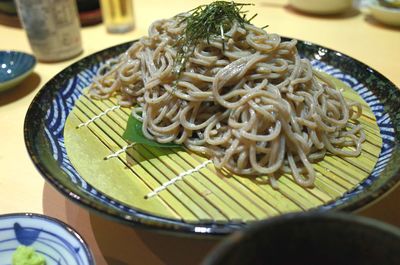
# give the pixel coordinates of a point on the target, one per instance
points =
(8, 7)
(87, 5)
(311, 238)
(89, 12)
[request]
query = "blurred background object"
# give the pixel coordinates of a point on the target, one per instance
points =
(386, 12)
(53, 28)
(8, 14)
(390, 3)
(322, 7)
(89, 12)
(118, 15)
(8, 7)
(14, 68)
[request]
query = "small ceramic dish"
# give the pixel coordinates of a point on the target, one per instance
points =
(14, 67)
(311, 238)
(321, 7)
(56, 241)
(385, 15)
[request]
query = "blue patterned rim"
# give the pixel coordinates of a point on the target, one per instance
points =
(382, 118)
(46, 116)
(56, 241)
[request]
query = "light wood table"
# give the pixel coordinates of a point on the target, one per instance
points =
(22, 189)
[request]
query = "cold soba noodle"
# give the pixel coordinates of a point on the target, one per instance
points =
(245, 100)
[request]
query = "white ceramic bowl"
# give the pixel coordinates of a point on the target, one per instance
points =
(321, 7)
(56, 241)
(385, 15)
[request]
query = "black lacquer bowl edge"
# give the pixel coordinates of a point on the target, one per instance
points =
(249, 235)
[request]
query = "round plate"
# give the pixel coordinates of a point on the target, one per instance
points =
(45, 120)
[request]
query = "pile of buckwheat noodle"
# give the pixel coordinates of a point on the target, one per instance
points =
(252, 105)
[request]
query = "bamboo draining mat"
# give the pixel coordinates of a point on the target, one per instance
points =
(205, 196)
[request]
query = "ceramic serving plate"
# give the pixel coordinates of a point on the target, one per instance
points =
(58, 243)
(203, 202)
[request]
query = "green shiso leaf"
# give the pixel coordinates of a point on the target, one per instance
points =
(133, 133)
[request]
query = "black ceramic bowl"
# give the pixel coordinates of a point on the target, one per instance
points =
(8, 7)
(311, 238)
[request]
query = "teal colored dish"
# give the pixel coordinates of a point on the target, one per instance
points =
(14, 67)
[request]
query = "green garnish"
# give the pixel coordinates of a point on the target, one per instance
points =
(27, 256)
(206, 22)
(133, 133)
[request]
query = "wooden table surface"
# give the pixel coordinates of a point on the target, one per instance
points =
(22, 189)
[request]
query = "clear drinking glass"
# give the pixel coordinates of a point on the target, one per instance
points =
(118, 15)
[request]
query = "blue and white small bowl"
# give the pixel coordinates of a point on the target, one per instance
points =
(56, 241)
(14, 67)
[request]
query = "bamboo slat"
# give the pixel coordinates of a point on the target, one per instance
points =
(208, 195)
